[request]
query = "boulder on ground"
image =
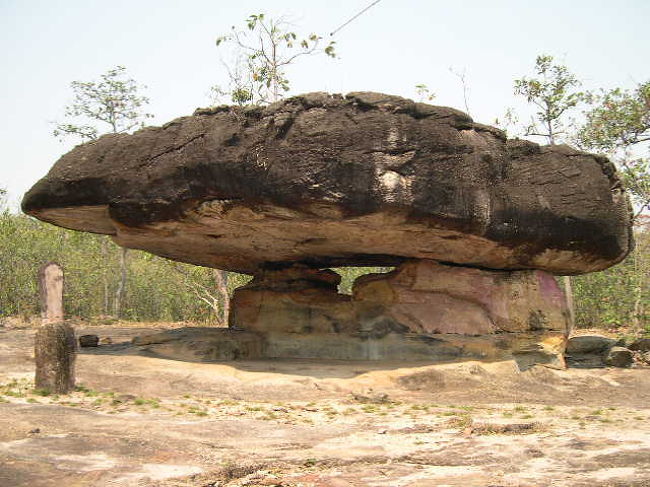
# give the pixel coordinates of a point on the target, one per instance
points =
(474, 222)
(589, 344)
(619, 357)
(427, 297)
(640, 345)
(88, 341)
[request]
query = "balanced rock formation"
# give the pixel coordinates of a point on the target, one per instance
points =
(475, 223)
(326, 180)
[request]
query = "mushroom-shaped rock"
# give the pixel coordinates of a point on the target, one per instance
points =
(325, 180)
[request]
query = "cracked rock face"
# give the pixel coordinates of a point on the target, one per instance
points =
(324, 180)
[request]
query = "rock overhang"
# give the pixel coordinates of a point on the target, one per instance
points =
(325, 180)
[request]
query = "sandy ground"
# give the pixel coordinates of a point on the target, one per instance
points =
(146, 421)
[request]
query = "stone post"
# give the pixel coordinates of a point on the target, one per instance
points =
(54, 343)
(50, 284)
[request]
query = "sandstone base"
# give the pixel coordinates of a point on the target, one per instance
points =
(422, 297)
(421, 311)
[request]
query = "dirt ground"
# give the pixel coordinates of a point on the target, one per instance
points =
(145, 421)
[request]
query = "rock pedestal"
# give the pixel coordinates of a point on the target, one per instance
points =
(421, 310)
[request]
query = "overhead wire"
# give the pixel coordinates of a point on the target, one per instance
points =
(353, 18)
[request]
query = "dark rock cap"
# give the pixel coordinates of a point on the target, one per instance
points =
(325, 180)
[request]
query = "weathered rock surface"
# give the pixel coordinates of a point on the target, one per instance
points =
(54, 357)
(88, 341)
(619, 357)
(202, 344)
(326, 180)
(418, 297)
(589, 344)
(427, 297)
(640, 345)
(422, 310)
(294, 300)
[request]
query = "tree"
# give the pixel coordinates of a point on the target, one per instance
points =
(113, 103)
(620, 295)
(263, 51)
(110, 105)
(619, 124)
(554, 93)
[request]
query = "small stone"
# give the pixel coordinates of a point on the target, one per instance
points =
(88, 341)
(619, 357)
(122, 398)
(35, 431)
(589, 344)
(640, 345)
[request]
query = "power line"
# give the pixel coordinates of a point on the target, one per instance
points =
(368, 7)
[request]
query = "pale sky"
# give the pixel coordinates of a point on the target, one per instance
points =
(169, 47)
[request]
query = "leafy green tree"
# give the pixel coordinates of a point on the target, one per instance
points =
(111, 104)
(620, 295)
(554, 92)
(619, 124)
(264, 49)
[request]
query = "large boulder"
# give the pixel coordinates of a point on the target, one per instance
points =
(428, 297)
(326, 180)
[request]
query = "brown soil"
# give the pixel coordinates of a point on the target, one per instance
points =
(147, 421)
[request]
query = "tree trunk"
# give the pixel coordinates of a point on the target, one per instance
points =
(221, 281)
(638, 291)
(121, 286)
(55, 354)
(104, 250)
(568, 293)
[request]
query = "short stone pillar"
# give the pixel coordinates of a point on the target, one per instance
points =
(50, 283)
(54, 351)
(54, 343)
